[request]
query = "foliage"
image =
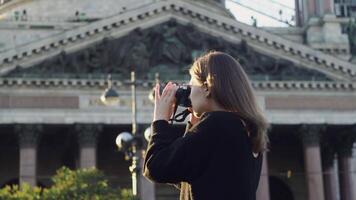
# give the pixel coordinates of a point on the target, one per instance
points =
(26, 192)
(82, 184)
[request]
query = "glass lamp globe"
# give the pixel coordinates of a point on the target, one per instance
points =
(123, 140)
(148, 133)
(110, 97)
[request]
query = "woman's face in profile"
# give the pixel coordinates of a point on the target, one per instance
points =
(198, 97)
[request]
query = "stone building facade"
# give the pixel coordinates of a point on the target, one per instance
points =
(51, 114)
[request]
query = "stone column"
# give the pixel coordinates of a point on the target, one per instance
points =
(311, 137)
(28, 139)
(347, 183)
(87, 137)
(312, 7)
(354, 166)
(263, 186)
(331, 179)
(329, 6)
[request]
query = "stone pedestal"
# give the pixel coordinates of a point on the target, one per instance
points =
(87, 137)
(263, 186)
(314, 8)
(311, 137)
(28, 140)
(325, 34)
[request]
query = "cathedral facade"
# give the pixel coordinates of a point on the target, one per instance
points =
(51, 114)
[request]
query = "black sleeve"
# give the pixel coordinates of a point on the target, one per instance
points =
(171, 159)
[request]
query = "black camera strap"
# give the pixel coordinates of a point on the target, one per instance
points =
(182, 115)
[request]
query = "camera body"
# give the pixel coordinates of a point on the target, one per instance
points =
(182, 95)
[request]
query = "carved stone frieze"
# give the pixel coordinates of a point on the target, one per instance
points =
(168, 48)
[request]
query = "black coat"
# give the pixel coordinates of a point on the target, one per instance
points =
(212, 161)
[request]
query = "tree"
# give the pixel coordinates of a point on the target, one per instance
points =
(82, 184)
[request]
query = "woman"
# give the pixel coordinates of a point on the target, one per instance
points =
(219, 157)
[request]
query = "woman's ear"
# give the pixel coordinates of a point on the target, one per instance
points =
(207, 90)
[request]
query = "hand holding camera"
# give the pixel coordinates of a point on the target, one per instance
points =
(167, 102)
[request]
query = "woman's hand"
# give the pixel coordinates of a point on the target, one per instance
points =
(164, 103)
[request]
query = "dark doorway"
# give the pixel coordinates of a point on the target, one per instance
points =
(279, 190)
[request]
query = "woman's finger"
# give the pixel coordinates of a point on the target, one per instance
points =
(173, 91)
(165, 90)
(157, 95)
(171, 94)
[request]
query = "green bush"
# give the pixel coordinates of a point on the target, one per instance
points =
(26, 192)
(82, 184)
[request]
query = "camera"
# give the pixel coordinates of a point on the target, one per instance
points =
(182, 95)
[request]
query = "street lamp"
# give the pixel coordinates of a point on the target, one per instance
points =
(110, 96)
(129, 143)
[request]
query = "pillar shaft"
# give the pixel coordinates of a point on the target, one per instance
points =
(331, 177)
(263, 186)
(354, 167)
(331, 185)
(345, 143)
(311, 8)
(28, 140)
(87, 136)
(28, 165)
(328, 6)
(346, 179)
(314, 173)
(87, 157)
(313, 169)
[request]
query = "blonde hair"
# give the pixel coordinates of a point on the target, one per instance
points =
(230, 87)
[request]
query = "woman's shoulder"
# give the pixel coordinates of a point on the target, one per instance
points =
(223, 118)
(221, 115)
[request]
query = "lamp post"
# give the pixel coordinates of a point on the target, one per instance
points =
(129, 143)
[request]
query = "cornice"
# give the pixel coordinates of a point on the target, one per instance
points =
(101, 83)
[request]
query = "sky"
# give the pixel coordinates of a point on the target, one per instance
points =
(244, 9)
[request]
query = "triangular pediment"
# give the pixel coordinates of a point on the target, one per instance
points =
(168, 48)
(166, 36)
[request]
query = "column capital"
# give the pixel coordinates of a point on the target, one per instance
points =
(311, 134)
(88, 133)
(28, 134)
(328, 148)
(345, 141)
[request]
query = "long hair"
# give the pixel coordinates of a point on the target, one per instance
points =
(230, 87)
